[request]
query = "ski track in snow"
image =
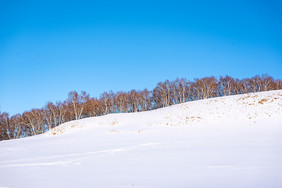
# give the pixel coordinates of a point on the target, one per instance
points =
(74, 161)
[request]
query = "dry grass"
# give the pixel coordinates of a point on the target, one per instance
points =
(114, 123)
(114, 131)
(262, 101)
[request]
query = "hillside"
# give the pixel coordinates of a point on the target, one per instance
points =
(232, 141)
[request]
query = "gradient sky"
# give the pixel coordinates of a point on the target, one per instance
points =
(48, 48)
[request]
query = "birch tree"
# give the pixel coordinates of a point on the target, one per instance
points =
(78, 102)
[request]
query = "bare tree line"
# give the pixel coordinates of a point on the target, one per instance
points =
(81, 105)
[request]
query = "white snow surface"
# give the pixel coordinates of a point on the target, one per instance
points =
(233, 141)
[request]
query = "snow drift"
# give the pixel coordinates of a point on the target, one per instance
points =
(232, 141)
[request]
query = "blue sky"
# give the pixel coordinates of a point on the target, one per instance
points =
(48, 48)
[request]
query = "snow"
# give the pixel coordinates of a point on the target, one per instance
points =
(233, 141)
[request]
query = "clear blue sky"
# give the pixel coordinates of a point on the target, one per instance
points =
(48, 48)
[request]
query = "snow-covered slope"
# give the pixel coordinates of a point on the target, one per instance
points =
(233, 141)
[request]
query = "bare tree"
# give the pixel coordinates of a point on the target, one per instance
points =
(162, 95)
(174, 91)
(267, 83)
(183, 90)
(16, 124)
(94, 107)
(278, 84)
(206, 87)
(5, 128)
(166, 93)
(133, 97)
(78, 102)
(145, 100)
(51, 115)
(107, 99)
(226, 85)
(34, 121)
(121, 102)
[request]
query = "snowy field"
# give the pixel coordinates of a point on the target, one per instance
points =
(233, 141)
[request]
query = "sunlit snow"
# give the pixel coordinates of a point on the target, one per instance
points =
(233, 141)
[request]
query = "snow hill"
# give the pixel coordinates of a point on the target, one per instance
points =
(233, 141)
